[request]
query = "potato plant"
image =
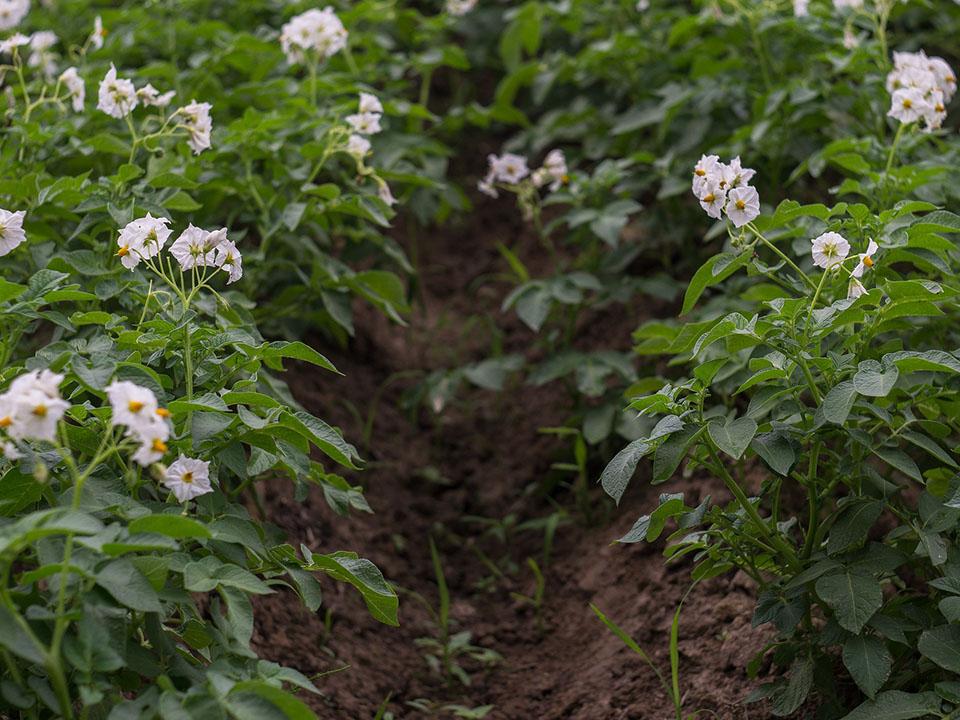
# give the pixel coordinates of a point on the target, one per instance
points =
(828, 374)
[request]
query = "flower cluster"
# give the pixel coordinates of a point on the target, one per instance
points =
(315, 31)
(724, 187)
(30, 410)
(920, 88)
(136, 408)
(11, 231)
(831, 249)
(198, 123)
(144, 238)
(117, 97)
(364, 122)
(554, 171)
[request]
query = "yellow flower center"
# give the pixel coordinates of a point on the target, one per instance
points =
(700, 171)
(907, 103)
(158, 445)
(135, 406)
(6, 421)
(868, 261)
(125, 250)
(40, 410)
(740, 204)
(163, 412)
(709, 198)
(187, 478)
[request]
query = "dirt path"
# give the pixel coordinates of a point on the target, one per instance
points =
(484, 457)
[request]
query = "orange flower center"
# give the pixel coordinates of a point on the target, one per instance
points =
(135, 406)
(6, 421)
(163, 412)
(868, 261)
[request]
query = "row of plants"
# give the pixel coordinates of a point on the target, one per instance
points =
(184, 182)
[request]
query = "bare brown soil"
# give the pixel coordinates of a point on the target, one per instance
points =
(483, 456)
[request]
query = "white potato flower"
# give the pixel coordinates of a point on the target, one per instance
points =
(142, 239)
(743, 205)
(318, 31)
(9, 451)
(370, 103)
(829, 250)
(801, 8)
(358, 146)
(134, 406)
(707, 168)
(866, 260)
(98, 34)
(153, 442)
(11, 231)
(197, 120)
(855, 289)
(643, 5)
(713, 198)
(151, 97)
(193, 248)
(14, 41)
(188, 478)
(909, 105)
(364, 123)
(229, 259)
(734, 175)
(76, 89)
(117, 97)
(848, 4)
(12, 12)
(32, 406)
(509, 168)
(383, 191)
(459, 8)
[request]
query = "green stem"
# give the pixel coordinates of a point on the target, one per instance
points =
(813, 305)
(753, 228)
(774, 540)
(893, 149)
(813, 508)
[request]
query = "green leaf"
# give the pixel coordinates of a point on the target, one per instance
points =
(713, 271)
(897, 705)
(874, 380)
(297, 351)
(328, 440)
(791, 697)
(869, 662)
(128, 586)
(732, 436)
(851, 528)
(616, 476)
(839, 402)
(776, 450)
(942, 646)
(853, 597)
(381, 599)
(16, 639)
(175, 526)
(256, 700)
